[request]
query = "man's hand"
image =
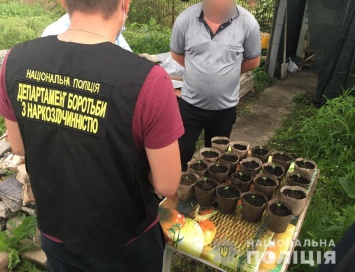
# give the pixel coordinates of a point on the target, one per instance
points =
(14, 137)
(165, 168)
(178, 58)
(250, 64)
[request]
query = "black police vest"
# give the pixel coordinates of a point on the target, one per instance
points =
(74, 105)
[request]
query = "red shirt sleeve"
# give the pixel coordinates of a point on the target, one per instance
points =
(157, 121)
(6, 109)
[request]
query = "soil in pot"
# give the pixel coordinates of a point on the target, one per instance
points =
(274, 169)
(282, 158)
(266, 184)
(260, 152)
(251, 164)
(241, 148)
(199, 167)
(297, 179)
(227, 198)
(205, 191)
(242, 179)
(218, 172)
(279, 216)
(231, 159)
(210, 154)
(253, 204)
(188, 179)
(186, 189)
(296, 196)
(220, 143)
(306, 166)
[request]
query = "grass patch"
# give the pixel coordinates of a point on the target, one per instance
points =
(148, 38)
(2, 126)
(20, 21)
(261, 80)
(326, 136)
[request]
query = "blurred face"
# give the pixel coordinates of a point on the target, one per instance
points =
(218, 10)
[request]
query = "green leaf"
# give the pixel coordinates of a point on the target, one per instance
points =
(14, 258)
(26, 246)
(348, 185)
(25, 229)
(4, 242)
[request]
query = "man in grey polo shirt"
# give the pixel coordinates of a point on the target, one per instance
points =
(215, 41)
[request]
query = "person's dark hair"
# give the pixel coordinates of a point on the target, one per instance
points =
(106, 7)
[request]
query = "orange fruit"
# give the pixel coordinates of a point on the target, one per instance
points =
(209, 231)
(169, 218)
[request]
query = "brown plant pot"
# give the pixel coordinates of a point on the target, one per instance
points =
(209, 154)
(261, 152)
(296, 196)
(275, 169)
(199, 167)
(205, 191)
(278, 217)
(218, 171)
(186, 186)
(227, 198)
(231, 159)
(299, 178)
(221, 143)
(305, 165)
(241, 148)
(266, 183)
(282, 158)
(252, 164)
(242, 178)
(253, 208)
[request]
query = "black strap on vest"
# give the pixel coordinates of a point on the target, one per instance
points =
(74, 105)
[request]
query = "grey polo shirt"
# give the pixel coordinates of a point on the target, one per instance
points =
(213, 62)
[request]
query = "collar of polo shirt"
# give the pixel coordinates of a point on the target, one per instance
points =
(201, 15)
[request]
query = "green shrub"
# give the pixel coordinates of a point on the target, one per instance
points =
(326, 136)
(20, 22)
(2, 126)
(261, 80)
(151, 39)
(11, 242)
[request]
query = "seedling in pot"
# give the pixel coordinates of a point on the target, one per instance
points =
(278, 207)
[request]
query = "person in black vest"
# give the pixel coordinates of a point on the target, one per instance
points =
(99, 128)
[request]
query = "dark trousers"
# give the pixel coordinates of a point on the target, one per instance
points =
(143, 254)
(345, 254)
(214, 122)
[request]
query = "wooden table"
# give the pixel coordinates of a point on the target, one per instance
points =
(234, 239)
